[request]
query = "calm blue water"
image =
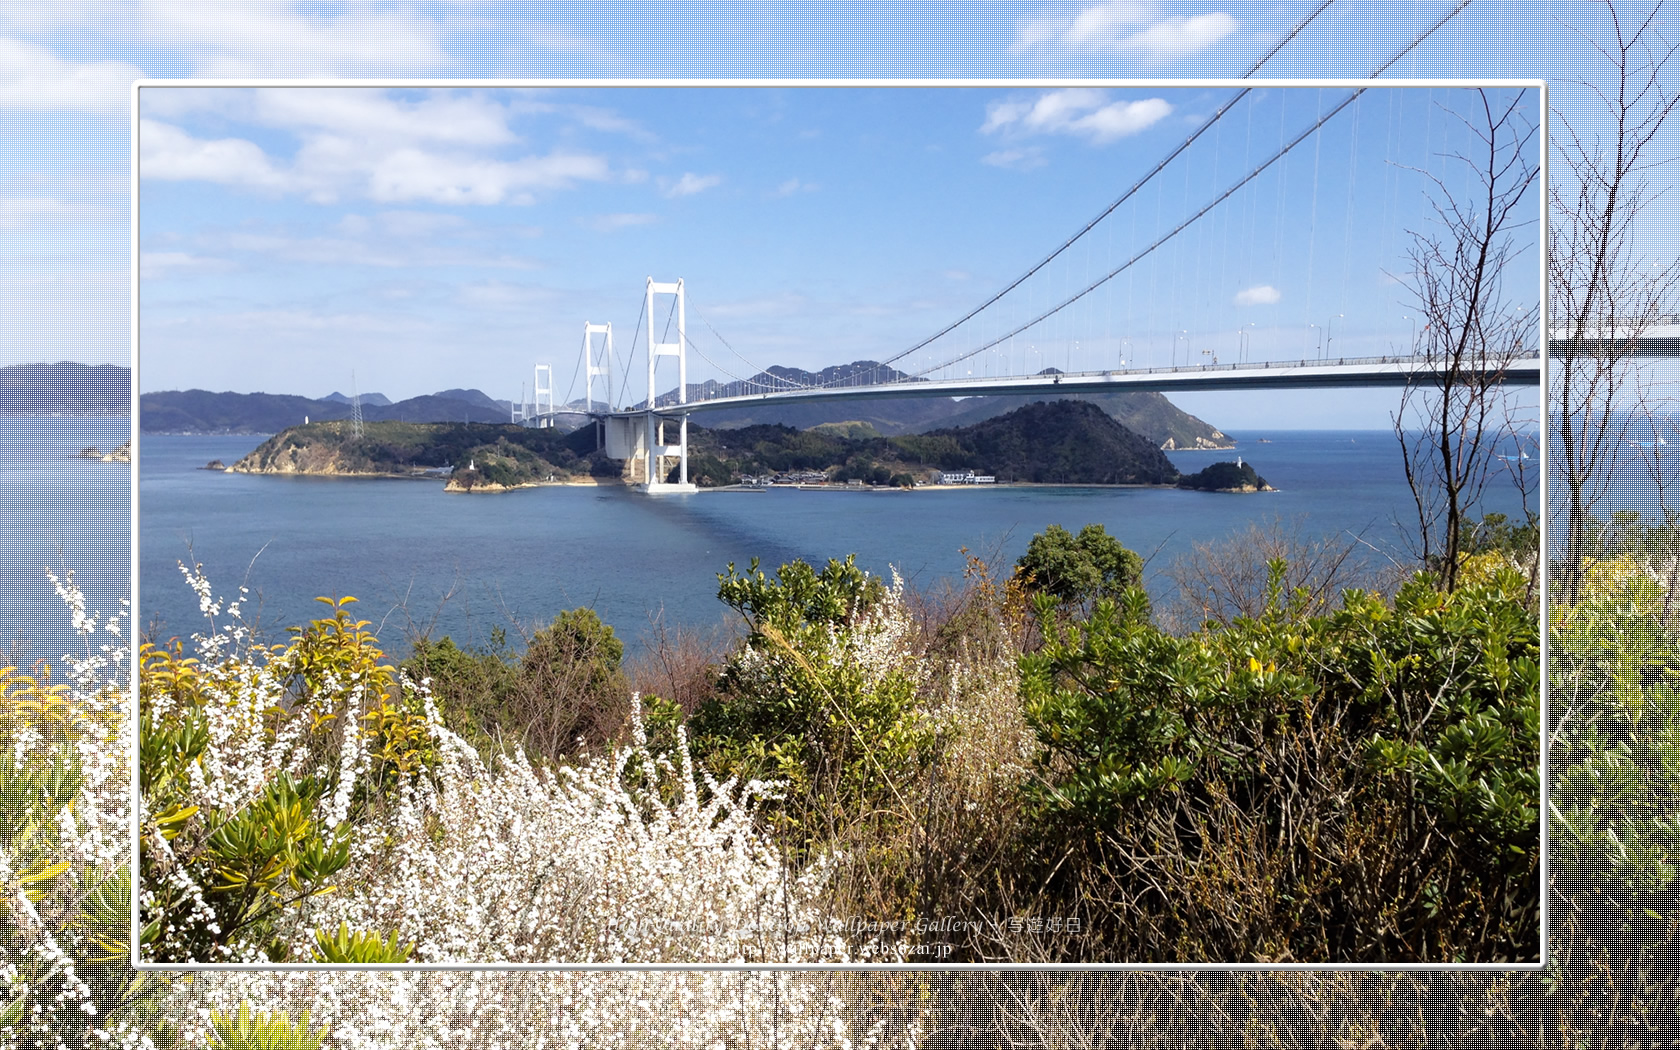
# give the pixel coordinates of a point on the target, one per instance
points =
(58, 511)
(423, 560)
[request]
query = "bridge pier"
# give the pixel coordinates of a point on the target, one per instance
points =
(640, 439)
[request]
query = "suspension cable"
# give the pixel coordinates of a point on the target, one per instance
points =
(1124, 197)
(1425, 34)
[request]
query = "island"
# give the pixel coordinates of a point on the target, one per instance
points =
(490, 457)
(1065, 442)
(120, 454)
(1226, 477)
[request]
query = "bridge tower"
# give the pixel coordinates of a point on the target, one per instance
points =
(591, 369)
(542, 385)
(654, 448)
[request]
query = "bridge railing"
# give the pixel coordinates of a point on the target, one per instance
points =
(1230, 366)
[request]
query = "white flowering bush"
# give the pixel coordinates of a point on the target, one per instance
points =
(64, 821)
(305, 802)
(584, 863)
(564, 1011)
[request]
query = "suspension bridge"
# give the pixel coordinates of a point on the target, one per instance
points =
(638, 433)
(1140, 297)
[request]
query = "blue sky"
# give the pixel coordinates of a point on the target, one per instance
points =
(851, 218)
(442, 238)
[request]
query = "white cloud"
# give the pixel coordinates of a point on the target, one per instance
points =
(566, 41)
(32, 77)
(691, 184)
(167, 152)
(793, 186)
(376, 116)
(597, 118)
(420, 175)
(1083, 112)
(21, 213)
(163, 264)
(1259, 295)
(83, 315)
(1178, 37)
(234, 38)
(351, 152)
(1126, 27)
(1016, 159)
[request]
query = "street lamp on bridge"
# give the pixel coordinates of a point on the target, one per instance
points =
(1330, 333)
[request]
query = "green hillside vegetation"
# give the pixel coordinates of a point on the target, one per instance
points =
(1147, 412)
(1225, 477)
(1356, 782)
(224, 412)
(497, 453)
(1059, 442)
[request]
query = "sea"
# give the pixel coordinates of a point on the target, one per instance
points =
(423, 562)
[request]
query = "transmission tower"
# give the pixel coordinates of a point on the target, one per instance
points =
(355, 408)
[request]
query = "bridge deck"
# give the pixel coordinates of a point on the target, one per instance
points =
(1336, 372)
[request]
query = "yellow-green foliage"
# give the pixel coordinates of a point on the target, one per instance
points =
(247, 1030)
(64, 877)
(254, 770)
(345, 945)
(1358, 786)
(1616, 794)
(819, 698)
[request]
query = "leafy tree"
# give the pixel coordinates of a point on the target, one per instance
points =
(1078, 570)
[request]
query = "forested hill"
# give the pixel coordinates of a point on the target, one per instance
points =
(1062, 442)
(1145, 411)
(1057, 442)
(225, 412)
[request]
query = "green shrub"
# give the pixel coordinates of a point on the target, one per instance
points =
(1358, 786)
(1078, 570)
(820, 697)
(567, 686)
(228, 852)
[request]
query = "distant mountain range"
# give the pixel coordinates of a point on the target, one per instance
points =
(67, 388)
(204, 412)
(1146, 412)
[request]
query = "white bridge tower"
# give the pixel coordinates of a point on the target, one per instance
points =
(654, 447)
(542, 385)
(591, 369)
(638, 436)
